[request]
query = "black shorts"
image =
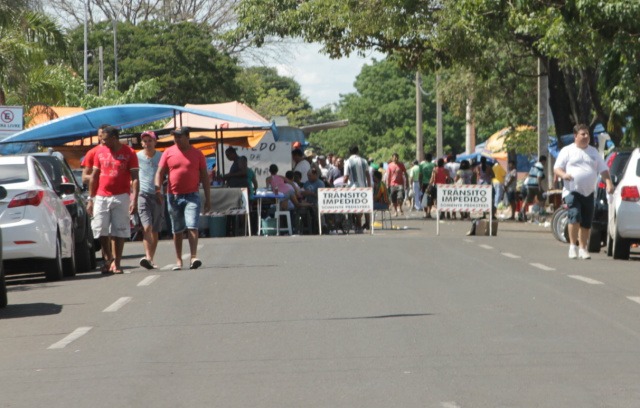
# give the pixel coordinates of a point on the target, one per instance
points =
(580, 209)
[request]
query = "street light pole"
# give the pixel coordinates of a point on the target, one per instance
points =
(86, 54)
(115, 49)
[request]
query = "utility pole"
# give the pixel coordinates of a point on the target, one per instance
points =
(439, 136)
(115, 49)
(86, 56)
(470, 140)
(101, 77)
(419, 135)
(543, 131)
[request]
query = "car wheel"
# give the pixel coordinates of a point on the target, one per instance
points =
(83, 254)
(92, 256)
(53, 267)
(621, 247)
(69, 267)
(595, 241)
(3, 287)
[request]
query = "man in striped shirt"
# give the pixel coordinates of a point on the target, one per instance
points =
(356, 174)
(356, 170)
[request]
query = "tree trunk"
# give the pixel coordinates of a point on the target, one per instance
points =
(559, 100)
(3, 98)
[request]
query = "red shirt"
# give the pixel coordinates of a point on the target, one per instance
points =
(396, 174)
(115, 170)
(441, 175)
(184, 169)
(87, 161)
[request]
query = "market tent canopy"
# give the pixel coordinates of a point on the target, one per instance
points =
(85, 124)
(233, 132)
(44, 113)
(236, 115)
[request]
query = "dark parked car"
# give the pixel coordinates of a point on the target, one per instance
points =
(59, 172)
(616, 161)
(3, 284)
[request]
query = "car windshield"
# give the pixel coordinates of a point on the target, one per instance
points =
(13, 173)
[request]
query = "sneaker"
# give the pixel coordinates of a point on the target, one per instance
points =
(573, 252)
(583, 254)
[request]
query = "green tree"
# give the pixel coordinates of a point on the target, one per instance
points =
(381, 116)
(180, 57)
(26, 39)
(589, 47)
(271, 94)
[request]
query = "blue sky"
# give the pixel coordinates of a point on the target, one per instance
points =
(322, 79)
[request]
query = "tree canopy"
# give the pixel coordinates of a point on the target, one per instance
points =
(589, 47)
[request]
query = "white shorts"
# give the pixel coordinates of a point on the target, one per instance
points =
(111, 216)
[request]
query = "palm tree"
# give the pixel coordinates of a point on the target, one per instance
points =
(27, 41)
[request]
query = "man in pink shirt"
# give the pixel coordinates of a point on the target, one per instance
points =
(187, 169)
(113, 179)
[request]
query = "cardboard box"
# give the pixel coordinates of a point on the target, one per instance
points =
(482, 227)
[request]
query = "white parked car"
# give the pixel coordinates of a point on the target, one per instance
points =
(624, 210)
(36, 225)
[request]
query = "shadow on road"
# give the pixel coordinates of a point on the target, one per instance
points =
(29, 310)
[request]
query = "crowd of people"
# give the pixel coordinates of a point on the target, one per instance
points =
(122, 182)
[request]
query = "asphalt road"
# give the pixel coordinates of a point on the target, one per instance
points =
(403, 318)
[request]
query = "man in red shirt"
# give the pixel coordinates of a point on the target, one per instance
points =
(187, 169)
(114, 177)
(87, 169)
(397, 178)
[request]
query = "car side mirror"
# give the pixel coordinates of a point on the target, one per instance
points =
(3, 192)
(67, 188)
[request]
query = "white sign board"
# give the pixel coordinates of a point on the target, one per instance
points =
(466, 197)
(11, 120)
(264, 154)
(355, 200)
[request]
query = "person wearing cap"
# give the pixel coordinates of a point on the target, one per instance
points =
(150, 208)
(182, 162)
(301, 164)
(237, 175)
(113, 195)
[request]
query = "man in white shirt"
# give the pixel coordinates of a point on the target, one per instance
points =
(578, 165)
(301, 164)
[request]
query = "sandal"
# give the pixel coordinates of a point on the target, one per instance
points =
(106, 267)
(195, 263)
(117, 271)
(176, 268)
(145, 263)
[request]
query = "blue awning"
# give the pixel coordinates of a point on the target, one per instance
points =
(86, 123)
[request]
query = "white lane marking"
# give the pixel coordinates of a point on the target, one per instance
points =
(486, 246)
(543, 267)
(449, 405)
(634, 298)
(76, 334)
(148, 280)
(585, 279)
(510, 255)
(115, 306)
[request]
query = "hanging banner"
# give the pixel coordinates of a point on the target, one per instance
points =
(263, 155)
